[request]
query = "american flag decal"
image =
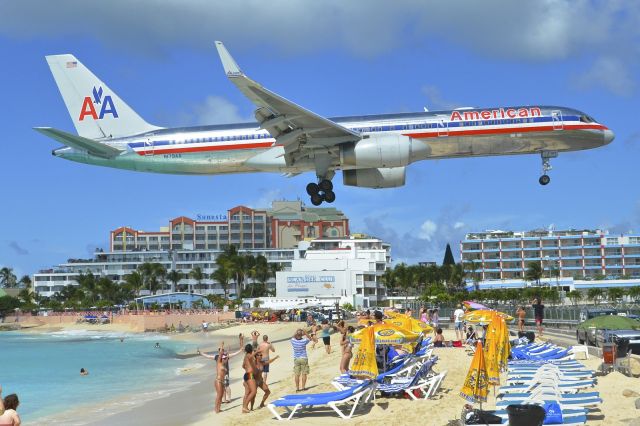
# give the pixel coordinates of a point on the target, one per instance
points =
(72, 64)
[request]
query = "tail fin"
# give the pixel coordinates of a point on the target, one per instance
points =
(96, 111)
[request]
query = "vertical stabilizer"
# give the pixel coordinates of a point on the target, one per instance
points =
(96, 111)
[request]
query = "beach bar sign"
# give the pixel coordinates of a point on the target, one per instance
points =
(308, 282)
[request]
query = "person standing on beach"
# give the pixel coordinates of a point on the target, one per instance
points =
(264, 348)
(261, 364)
(457, 321)
(254, 339)
(250, 383)
(299, 342)
(435, 320)
(521, 313)
(222, 351)
(222, 369)
(347, 347)
(325, 333)
(8, 414)
(538, 313)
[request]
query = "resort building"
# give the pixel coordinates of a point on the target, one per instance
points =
(116, 265)
(282, 226)
(338, 270)
(568, 258)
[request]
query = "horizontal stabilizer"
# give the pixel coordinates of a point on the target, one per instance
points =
(78, 142)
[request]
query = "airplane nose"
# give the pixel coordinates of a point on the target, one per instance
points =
(608, 136)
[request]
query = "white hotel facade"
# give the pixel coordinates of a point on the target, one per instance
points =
(572, 259)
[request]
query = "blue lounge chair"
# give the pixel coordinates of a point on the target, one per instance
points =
(293, 403)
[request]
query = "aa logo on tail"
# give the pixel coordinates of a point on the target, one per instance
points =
(105, 104)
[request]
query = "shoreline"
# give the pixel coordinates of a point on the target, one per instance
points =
(192, 399)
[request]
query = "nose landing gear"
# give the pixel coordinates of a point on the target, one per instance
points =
(546, 166)
(321, 191)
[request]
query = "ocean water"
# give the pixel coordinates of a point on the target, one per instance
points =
(44, 370)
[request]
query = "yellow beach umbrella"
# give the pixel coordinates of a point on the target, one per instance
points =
(366, 322)
(484, 316)
(476, 387)
(364, 362)
(492, 338)
(391, 314)
(386, 334)
(410, 324)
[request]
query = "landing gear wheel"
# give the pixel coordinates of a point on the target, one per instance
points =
(316, 199)
(544, 180)
(326, 185)
(313, 189)
(329, 196)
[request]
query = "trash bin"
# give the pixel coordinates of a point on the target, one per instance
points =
(525, 415)
(609, 353)
(238, 314)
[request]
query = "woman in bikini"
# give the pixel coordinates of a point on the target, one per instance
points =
(347, 349)
(260, 383)
(221, 359)
(250, 375)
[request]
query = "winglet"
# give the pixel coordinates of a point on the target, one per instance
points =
(230, 66)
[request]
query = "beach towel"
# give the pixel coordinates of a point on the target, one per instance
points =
(364, 361)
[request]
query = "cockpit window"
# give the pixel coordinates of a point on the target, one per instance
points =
(586, 119)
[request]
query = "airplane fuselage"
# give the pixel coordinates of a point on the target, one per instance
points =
(468, 132)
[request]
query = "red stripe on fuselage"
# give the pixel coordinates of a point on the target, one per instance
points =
(189, 149)
(444, 132)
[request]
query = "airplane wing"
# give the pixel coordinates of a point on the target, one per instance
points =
(78, 142)
(296, 128)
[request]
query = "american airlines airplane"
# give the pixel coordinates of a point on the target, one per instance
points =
(372, 151)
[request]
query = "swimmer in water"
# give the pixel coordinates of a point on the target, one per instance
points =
(157, 345)
(84, 372)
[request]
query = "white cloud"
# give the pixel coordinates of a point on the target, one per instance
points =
(428, 230)
(542, 30)
(610, 73)
(435, 99)
(217, 110)
(458, 225)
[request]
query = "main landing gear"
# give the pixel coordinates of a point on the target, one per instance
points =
(321, 191)
(546, 166)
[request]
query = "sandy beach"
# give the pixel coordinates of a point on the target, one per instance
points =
(194, 403)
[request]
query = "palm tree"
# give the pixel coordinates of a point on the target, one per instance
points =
(260, 272)
(575, 296)
(88, 283)
(404, 275)
(595, 294)
(7, 278)
(222, 275)
(534, 272)
(135, 281)
(615, 294)
(25, 281)
(175, 277)
(26, 296)
(153, 275)
(197, 274)
(634, 293)
(389, 280)
(108, 290)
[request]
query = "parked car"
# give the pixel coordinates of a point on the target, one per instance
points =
(615, 336)
(606, 327)
(586, 335)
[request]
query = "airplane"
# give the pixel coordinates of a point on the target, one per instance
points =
(372, 151)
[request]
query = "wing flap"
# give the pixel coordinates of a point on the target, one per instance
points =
(78, 142)
(290, 124)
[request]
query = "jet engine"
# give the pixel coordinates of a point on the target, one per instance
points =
(375, 178)
(377, 151)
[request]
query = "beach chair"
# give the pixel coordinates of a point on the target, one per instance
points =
(552, 391)
(295, 403)
(424, 382)
(542, 375)
(572, 387)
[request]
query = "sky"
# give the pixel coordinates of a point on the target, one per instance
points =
(334, 58)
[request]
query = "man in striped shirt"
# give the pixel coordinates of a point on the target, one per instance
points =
(299, 342)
